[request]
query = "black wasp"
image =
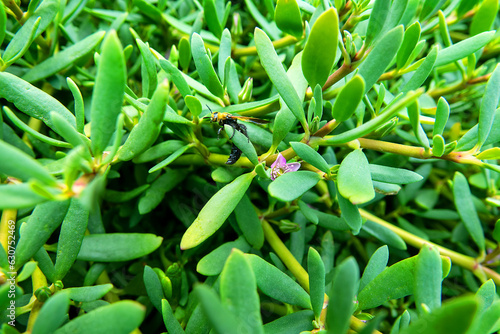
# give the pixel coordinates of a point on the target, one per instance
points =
(224, 118)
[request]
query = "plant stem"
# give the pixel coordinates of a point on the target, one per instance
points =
(252, 50)
(294, 266)
(284, 254)
(7, 216)
(463, 261)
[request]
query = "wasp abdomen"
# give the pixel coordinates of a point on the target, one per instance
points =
(234, 156)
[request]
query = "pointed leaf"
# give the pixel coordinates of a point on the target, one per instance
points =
(20, 165)
(376, 264)
(394, 282)
(238, 291)
(466, 209)
(108, 94)
(381, 56)
(274, 69)
(216, 211)
(488, 106)
(212, 263)
(121, 317)
(321, 47)
(342, 296)
(276, 284)
(377, 20)
(115, 247)
(454, 317)
(63, 59)
(464, 48)
(204, 66)
(428, 277)
(308, 154)
(290, 186)
(348, 99)
(316, 271)
(288, 18)
(354, 180)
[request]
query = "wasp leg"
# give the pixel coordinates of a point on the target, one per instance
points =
(218, 133)
(243, 129)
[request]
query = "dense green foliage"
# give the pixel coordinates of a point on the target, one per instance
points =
(359, 192)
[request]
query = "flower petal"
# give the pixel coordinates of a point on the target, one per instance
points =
(280, 162)
(292, 167)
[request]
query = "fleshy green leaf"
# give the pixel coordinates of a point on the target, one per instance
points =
(308, 154)
(115, 247)
(381, 56)
(148, 69)
(377, 20)
(442, 114)
(73, 229)
(20, 165)
(290, 186)
(488, 106)
(31, 100)
(153, 287)
(63, 59)
(376, 264)
(19, 196)
(53, 314)
(108, 94)
(38, 229)
(321, 47)
(466, 209)
(88, 293)
(316, 271)
(394, 282)
(423, 71)
(212, 263)
(249, 223)
(144, 134)
(428, 277)
(211, 17)
(350, 213)
(384, 234)
(296, 322)
(393, 175)
(204, 66)
(274, 69)
(463, 49)
(342, 296)
(223, 321)
(120, 317)
(348, 99)
(216, 211)
(243, 143)
(276, 284)
(238, 291)
(177, 77)
(454, 317)
(288, 18)
(410, 40)
(438, 145)
(354, 181)
(169, 319)
(484, 17)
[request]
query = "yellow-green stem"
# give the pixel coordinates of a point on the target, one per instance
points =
(7, 216)
(285, 255)
(252, 50)
(297, 270)
(463, 261)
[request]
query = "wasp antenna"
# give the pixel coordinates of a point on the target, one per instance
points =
(208, 107)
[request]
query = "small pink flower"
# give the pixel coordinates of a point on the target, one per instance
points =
(280, 167)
